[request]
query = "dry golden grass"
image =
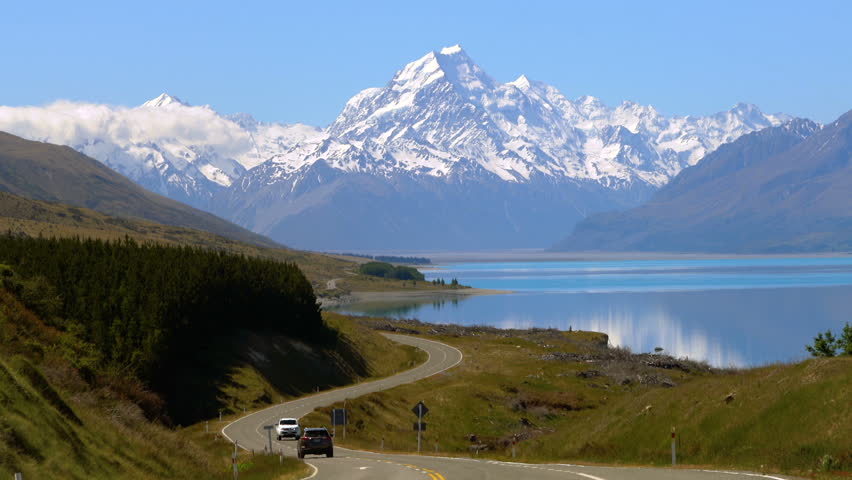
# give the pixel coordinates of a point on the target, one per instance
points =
(788, 418)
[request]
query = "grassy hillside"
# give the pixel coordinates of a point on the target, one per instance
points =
(565, 397)
(56, 421)
(43, 171)
(20, 215)
(258, 380)
(165, 315)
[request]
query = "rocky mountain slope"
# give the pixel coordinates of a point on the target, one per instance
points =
(783, 189)
(443, 156)
(54, 173)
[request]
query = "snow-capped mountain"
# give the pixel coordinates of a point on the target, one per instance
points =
(443, 113)
(443, 156)
(189, 153)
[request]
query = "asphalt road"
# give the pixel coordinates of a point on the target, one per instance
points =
(359, 465)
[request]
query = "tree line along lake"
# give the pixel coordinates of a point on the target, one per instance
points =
(739, 311)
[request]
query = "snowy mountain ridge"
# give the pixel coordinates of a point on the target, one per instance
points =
(440, 120)
(442, 111)
(437, 111)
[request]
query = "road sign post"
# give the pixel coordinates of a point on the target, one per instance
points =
(338, 417)
(268, 429)
(420, 410)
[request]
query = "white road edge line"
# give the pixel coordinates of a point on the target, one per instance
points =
(316, 471)
(583, 475)
(744, 474)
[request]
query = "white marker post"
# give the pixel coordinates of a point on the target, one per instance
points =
(19, 476)
(236, 469)
(674, 448)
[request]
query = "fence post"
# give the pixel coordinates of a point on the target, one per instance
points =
(19, 476)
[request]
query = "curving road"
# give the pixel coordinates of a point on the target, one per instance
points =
(360, 465)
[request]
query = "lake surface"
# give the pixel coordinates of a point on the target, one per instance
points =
(730, 312)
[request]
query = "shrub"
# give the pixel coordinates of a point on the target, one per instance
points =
(386, 270)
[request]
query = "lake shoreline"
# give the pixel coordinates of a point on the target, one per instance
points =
(538, 255)
(407, 295)
(732, 312)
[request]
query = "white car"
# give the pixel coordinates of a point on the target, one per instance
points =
(288, 427)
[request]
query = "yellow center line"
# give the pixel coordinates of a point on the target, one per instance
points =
(434, 474)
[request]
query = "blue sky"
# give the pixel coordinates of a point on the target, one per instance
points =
(300, 62)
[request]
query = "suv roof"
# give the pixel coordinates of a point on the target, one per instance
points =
(316, 430)
(288, 421)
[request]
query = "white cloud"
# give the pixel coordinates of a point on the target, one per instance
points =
(71, 123)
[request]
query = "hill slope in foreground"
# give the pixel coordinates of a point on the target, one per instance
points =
(567, 397)
(59, 422)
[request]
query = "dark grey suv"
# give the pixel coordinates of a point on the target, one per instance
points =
(315, 441)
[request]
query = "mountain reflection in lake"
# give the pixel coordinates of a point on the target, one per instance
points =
(740, 317)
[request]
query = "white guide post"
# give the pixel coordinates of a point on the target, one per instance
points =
(674, 448)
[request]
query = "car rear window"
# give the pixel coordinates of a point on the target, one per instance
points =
(315, 431)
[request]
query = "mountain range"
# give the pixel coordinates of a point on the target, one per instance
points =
(783, 189)
(443, 156)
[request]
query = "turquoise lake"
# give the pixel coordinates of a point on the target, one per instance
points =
(729, 312)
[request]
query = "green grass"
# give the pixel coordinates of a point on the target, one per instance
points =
(366, 283)
(251, 466)
(780, 418)
(363, 355)
(111, 440)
